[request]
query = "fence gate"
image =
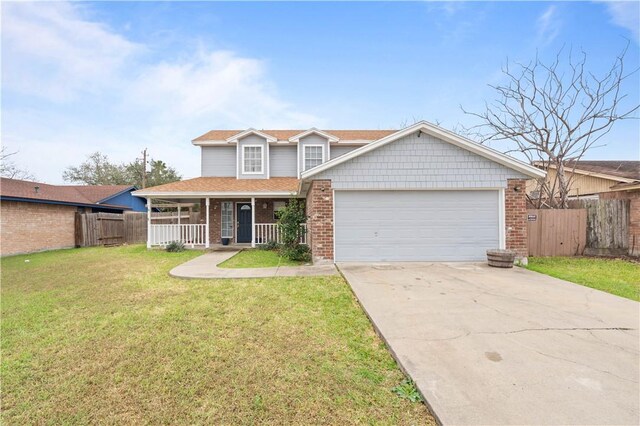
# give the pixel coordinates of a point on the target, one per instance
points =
(557, 232)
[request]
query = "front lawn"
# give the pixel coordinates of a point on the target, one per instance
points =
(615, 276)
(257, 258)
(104, 335)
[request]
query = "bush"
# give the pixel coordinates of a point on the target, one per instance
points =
(299, 253)
(290, 223)
(270, 246)
(175, 247)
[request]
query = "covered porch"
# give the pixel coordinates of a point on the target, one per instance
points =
(231, 211)
(241, 222)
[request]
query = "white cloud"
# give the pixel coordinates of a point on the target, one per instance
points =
(89, 88)
(548, 26)
(626, 15)
(52, 52)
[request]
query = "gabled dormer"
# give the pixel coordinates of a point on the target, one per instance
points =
(252, 154)
(314, 148)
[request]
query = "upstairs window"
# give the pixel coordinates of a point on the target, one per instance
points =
(252, 159)
(313, 156)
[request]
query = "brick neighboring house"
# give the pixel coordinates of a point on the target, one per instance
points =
(420, 193)
(36, 216)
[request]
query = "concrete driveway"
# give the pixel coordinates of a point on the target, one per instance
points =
(490, 346)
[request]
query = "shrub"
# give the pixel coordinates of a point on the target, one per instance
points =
(290, 222)
(299, 252)
(270, 246)
(175, 247)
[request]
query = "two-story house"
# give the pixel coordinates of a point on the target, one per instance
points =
(420, 193)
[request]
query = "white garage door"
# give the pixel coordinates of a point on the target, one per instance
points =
(380, 226)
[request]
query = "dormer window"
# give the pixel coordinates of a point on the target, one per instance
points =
(313, 156)
(252, 159)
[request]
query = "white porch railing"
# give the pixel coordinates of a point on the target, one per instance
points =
(189, 234)
(267, 232)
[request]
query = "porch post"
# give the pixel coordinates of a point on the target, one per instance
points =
(253, 221)
(206, 238)
(148, 222)
(179, 213)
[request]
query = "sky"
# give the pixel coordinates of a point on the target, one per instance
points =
(118, 77)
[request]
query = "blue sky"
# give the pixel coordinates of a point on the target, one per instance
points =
(119, 77)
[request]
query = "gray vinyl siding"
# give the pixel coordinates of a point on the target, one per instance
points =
(253, 140)
(419, 163)
(381, 226)
(283, 161)
(218, 161)
(312, 139)
(337, 151)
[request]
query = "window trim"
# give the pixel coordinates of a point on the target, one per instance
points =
(244, 171)
(304, 155)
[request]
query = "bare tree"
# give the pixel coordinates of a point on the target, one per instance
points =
(9, 169)
(555, 113)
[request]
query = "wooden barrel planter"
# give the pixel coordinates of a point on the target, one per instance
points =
(501, 258)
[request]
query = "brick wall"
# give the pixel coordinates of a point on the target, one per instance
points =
(634, 216)
(262, 214)
(30, 227)
(320, 219)
(516, 216)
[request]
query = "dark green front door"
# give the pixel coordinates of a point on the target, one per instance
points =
(244, 222)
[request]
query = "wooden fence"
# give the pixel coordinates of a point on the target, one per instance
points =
(592, 227)
(557, 232)
(107, 229)
(607, 226)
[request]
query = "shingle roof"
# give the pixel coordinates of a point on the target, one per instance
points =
(96, 193)
(227, 184)
(283, 135)
(74, 194)
(624, 169)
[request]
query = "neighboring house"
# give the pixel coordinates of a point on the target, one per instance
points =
(418, 194)
(37, 216)
(592, 179)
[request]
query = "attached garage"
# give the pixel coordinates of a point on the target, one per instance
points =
(385, 226)
(421, 194)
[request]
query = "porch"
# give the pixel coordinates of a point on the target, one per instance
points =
(222, 222)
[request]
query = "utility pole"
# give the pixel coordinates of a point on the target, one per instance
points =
(144, 168)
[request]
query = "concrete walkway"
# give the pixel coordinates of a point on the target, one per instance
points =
(490, 346)
(206, 266)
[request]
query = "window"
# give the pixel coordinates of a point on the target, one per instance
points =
(252, 159)
(227, 219)
(277, 206)
(313, 156)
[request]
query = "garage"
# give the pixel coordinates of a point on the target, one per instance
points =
(379, 226)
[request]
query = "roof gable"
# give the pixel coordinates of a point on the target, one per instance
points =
(311, 131)
(441, 134)
(237, 137)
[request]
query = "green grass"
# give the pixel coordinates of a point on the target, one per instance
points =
(258, 259)
(104, 335)
(615, 276)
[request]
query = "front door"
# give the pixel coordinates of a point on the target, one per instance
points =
(244, 222)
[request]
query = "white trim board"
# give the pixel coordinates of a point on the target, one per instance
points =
(441, 134)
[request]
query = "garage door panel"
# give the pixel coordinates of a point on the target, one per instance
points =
(415, 225)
